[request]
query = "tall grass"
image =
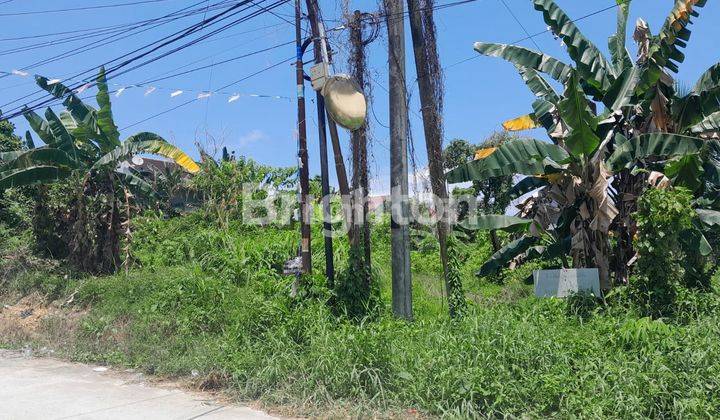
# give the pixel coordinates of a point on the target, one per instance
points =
(213, 301)
(525, 358)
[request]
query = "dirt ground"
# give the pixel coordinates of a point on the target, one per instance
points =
(33, 319)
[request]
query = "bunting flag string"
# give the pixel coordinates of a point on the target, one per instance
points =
(200, 94)
(174, 92)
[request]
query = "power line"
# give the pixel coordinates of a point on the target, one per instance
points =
(163, 41)
(222, 88)
(80, 50)
(210, 66)
(97, 28)
(66, 75)
(597, 12)
(182, 34)
(84, 35)
(103, 6)
(76, 51)
(520, 24)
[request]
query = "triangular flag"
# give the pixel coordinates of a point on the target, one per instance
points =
(82, 88)
(53, 82)
(204, 95)
(20, 73)
(176, 93)
(150, 90)
(119, 92)
(234, 98)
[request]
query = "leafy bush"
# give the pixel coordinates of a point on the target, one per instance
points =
(670, 251)
(238, 254)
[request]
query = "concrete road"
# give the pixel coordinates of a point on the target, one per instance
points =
(42, 388)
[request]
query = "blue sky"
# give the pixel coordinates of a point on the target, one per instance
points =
(480, 93)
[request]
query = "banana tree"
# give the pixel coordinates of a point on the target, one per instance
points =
(81, 138)
(83, 142)
(571, 175)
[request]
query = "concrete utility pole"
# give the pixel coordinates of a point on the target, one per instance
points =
(302, 148)
(359, 136)
(322, 140)
(432, 126)
(401, 275)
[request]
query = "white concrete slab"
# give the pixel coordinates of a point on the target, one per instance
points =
(563, 283)
(42, 388)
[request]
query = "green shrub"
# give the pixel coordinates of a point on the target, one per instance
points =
(239, 254)
(669, 248)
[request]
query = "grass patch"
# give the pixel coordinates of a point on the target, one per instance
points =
(512, 355)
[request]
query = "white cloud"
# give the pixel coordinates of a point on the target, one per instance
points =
(251, 137)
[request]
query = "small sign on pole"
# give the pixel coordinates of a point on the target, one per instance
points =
(293, 267)
(318, 76)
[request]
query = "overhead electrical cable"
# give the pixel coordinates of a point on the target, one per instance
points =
(163, 41)
(86, 48)
(77, 9)
(65, 76)
(99, 28)
(117, 29)
(75, 52)
(191, 30)
(596, 12)
(288, 60)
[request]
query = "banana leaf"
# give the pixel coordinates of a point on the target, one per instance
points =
(686, 171)
(57, 90)
(58, 128)
(29, 142)
(694, 108)
(104, 115)
(665, 50)
(657, 145)
(526, 185)
(68, 121)
(554, 250)
(32, 176)
(525, 122)
(39, 126)
(506, 254)
(709, 124)
(709, 80)
(709, 217)
(523, 57)
(537, 84)
(544, 114)
(576, 113)
(616, 43)
(521, 156)
(44, 156)
(149, 143)
(674, 34)
(622, 90)
(496, 222)
(592, 66)
(136, 184)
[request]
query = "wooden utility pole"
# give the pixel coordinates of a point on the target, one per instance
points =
(359, 137)
(322, 140)
(401, 275)
(432, 125)
(302, 148)
(320, 44)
